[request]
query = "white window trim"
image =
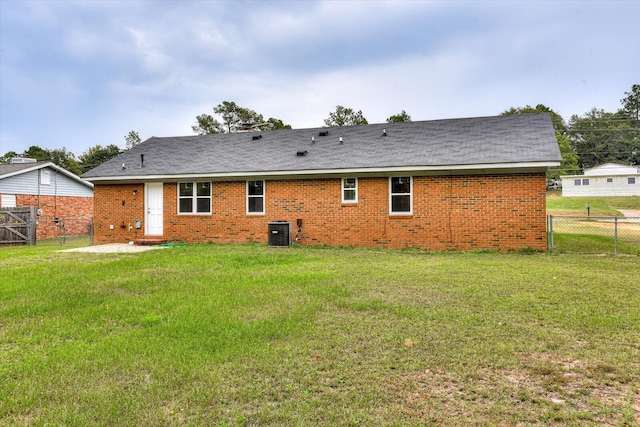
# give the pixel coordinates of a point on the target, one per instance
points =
(264, 190)
(585, 181)
(355, 190)
(194, 197)
(577, 181)
(410, 194)
(631, 180)
(45, 177)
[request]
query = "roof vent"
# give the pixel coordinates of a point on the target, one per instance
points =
(256, 137)
(313, 139)
(301, 153)
(340, 139)
(384, 132)
(323, 133)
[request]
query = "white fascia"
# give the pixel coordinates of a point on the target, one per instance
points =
(319, 173)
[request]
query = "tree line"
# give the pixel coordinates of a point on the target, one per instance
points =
(596, 137)
(585, 141)
(64, 158)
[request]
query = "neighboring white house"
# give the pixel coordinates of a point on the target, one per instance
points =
(610, 179)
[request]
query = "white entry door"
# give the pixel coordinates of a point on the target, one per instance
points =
(153, 206)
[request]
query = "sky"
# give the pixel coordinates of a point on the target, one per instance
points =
(76, 74)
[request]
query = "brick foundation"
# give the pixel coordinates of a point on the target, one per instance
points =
(500, 212)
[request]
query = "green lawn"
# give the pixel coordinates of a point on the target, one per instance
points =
(248, 335)
(596, 234)
(599, 206)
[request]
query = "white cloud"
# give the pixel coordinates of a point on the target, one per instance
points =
(92, 71)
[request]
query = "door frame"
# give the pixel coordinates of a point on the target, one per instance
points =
(153, 189)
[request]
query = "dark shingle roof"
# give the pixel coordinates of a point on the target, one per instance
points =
(514, 139)
(11, 169)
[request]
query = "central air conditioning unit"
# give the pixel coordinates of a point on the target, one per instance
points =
(279, 234)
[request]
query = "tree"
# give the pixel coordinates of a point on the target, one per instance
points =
(65, 159)
(234, 118)
(631, 104)
(60, 156)
(38, 153)
(206, 124)
(631, 109)
(556, 119)
(345, 117)
(602, 137)
(569, 163)
(132, 139)
(6, 158)
(97, 155)
(397, 118)
(277, 124)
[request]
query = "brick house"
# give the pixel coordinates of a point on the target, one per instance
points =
(61, 198)
(463, 184)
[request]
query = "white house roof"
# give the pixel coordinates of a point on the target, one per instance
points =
(524, 142)
(13, 169)
(611, 169)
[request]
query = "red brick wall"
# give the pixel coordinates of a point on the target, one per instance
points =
(500, 212)
(74, 213)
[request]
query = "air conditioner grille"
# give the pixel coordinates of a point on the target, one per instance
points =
(279, 234)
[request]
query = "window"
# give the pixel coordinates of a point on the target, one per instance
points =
(8, 200)
(194, 198)
(609, 180)
(255, 197)
(349, 190)
(577, 182)
(45, 177)
(400, 195)
(631, 180)
(585, 181)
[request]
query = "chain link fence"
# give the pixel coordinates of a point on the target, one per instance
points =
(593, 234)
(65, 231)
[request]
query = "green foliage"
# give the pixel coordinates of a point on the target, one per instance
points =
(631, 104)
(397, 118)
(345, 117)
(234, 118)
(207, 125)
(132, 139)
(65, 159)
(276, 124)
(60, 156)
(569, 164)
(97, 155)
(38, 153)
(6, 157)
(602, 137)
(556, 119)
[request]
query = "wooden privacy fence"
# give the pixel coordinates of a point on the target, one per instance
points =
(18, 226)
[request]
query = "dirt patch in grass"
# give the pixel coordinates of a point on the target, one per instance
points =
(546, 389)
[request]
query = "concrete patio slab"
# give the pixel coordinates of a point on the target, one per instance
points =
(113, 248)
